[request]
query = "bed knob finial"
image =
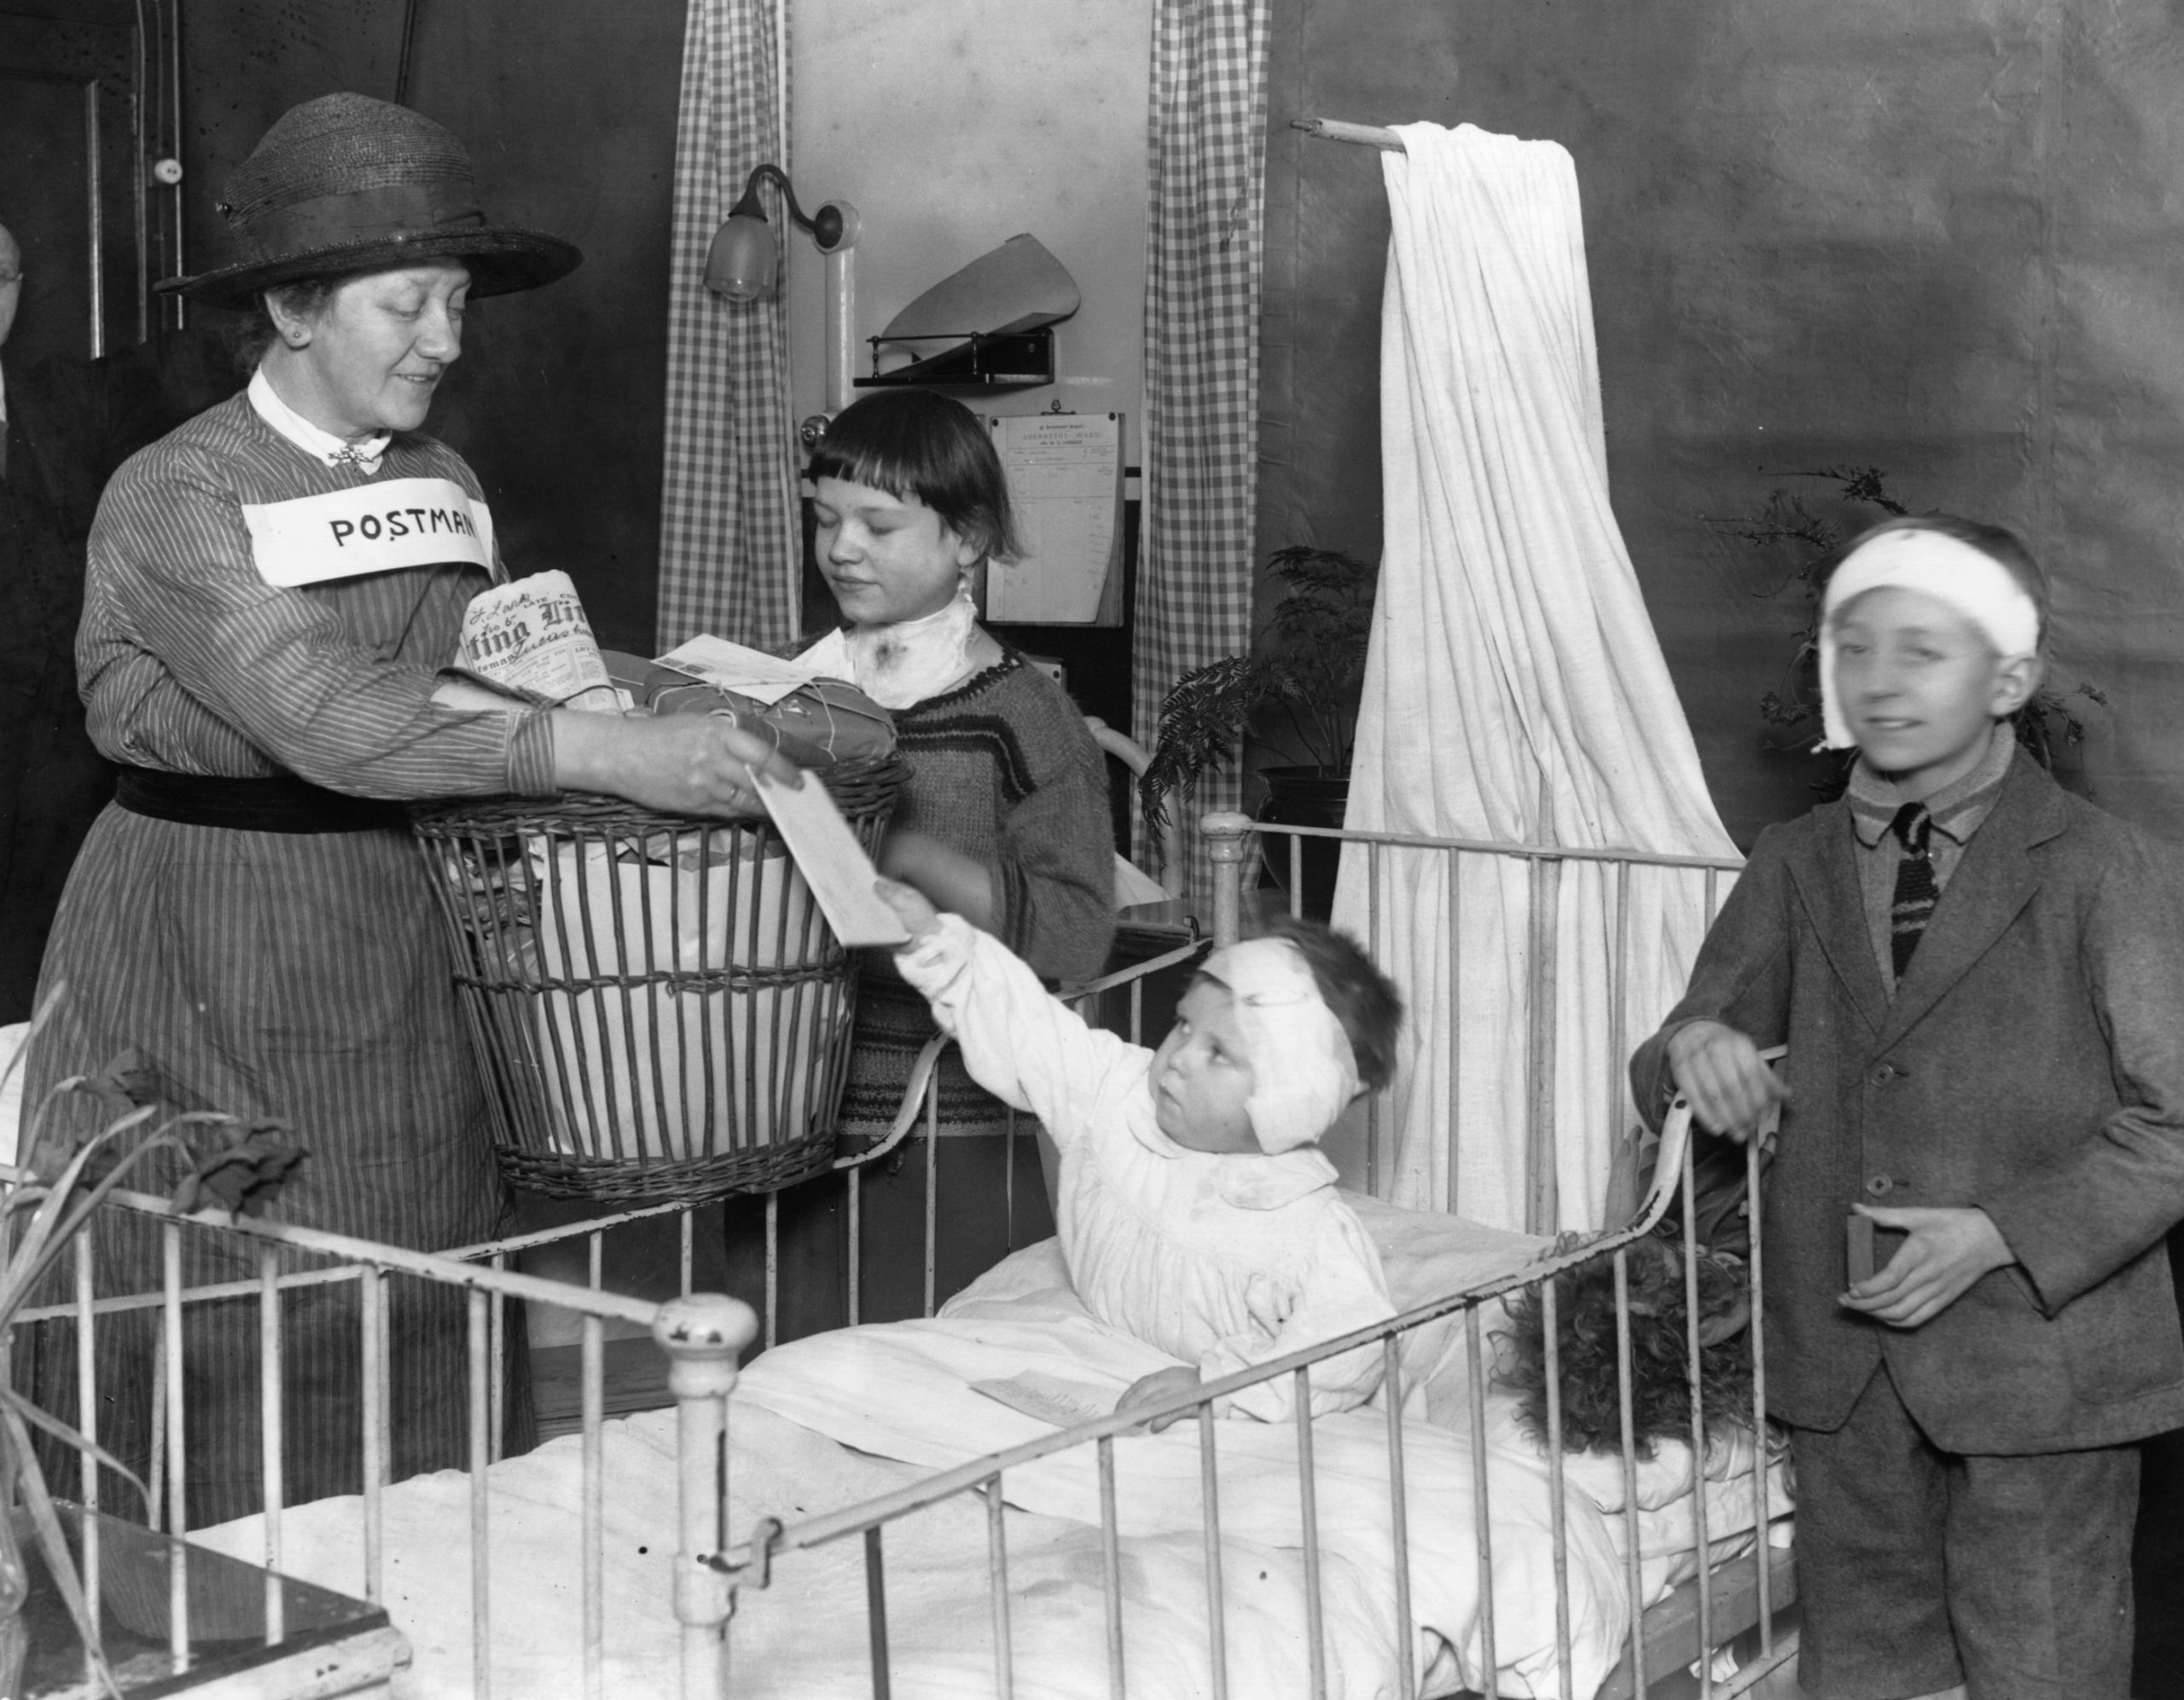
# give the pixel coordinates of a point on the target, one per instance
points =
(1224, 831)
(1226, 834)
(703, 1334)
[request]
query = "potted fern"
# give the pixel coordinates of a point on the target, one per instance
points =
(226, 1166)
(1298, 693)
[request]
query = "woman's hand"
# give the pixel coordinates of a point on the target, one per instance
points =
(1720, 1072)
(1151, 1390)
(678, 763)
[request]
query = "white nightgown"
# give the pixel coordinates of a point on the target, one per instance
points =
(1223, 1261)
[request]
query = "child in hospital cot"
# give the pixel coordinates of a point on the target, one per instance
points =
(1196, 1211)
(1980, 979)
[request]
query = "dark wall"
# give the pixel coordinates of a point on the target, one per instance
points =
(1946, 242)
(568, 107)
(51, 52)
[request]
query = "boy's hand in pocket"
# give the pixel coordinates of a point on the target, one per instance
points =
(1947, 1250)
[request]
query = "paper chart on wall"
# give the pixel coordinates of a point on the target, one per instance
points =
(1066, 485)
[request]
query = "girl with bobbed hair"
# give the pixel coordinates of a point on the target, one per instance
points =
(1004, 822)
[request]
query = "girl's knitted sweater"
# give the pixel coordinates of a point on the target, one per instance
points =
(1002, 769)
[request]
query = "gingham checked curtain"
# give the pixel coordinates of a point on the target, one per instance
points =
(1203, 233)
(728, 544)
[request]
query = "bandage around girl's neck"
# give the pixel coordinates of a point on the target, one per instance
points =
(902, 664)
(1302, 1072)
(1933, 564)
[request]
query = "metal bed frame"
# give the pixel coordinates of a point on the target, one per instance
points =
(703, 1335)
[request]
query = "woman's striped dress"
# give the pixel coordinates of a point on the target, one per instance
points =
(292, 977)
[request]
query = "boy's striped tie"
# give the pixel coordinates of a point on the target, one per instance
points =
(1915, 890)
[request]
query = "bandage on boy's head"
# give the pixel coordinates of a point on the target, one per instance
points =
(1364, 1000)
(1984, 573)
(1319, 1021)
(1302, 1069)
(921, 447)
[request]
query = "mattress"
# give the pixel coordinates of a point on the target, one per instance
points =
(837, 1419)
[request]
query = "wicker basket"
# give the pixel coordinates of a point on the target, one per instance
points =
(659, 1008)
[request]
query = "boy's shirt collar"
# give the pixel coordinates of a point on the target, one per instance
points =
(1957, 808)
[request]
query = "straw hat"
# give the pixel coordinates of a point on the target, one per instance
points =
(346, 183)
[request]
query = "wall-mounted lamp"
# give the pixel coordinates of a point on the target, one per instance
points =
(744, 263)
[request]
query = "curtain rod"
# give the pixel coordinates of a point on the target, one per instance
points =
(1334, 129)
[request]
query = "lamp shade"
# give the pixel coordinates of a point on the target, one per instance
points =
(744, 259)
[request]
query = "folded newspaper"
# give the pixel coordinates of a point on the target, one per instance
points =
(529, 638)
(530, 641)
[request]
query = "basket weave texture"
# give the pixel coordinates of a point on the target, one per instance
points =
(659, 1008)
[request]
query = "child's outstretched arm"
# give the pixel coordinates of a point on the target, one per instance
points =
(912, 908)
(1023, 1045)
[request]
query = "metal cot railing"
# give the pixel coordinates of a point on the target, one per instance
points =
(1743, 1595)
(1752, 1578)
(1228, 839)
(702, 1335)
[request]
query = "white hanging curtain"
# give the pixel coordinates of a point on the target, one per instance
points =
(1515, 692)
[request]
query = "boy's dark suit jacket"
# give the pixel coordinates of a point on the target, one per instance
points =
(2031, 1062)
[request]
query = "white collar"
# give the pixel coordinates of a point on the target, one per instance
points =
(320, 446)
(1249, 1180)
(899, 667)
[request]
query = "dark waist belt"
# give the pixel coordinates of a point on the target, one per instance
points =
(283, 804)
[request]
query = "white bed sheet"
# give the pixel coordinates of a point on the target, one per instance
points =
(836, 1420)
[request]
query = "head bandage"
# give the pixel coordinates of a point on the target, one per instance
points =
(1302, 1072)
(1933, 564)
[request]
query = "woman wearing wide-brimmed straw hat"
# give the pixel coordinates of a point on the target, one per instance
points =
(270, 590)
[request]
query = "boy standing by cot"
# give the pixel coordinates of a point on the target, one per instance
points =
(1195, 1210)
(1980, 979)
